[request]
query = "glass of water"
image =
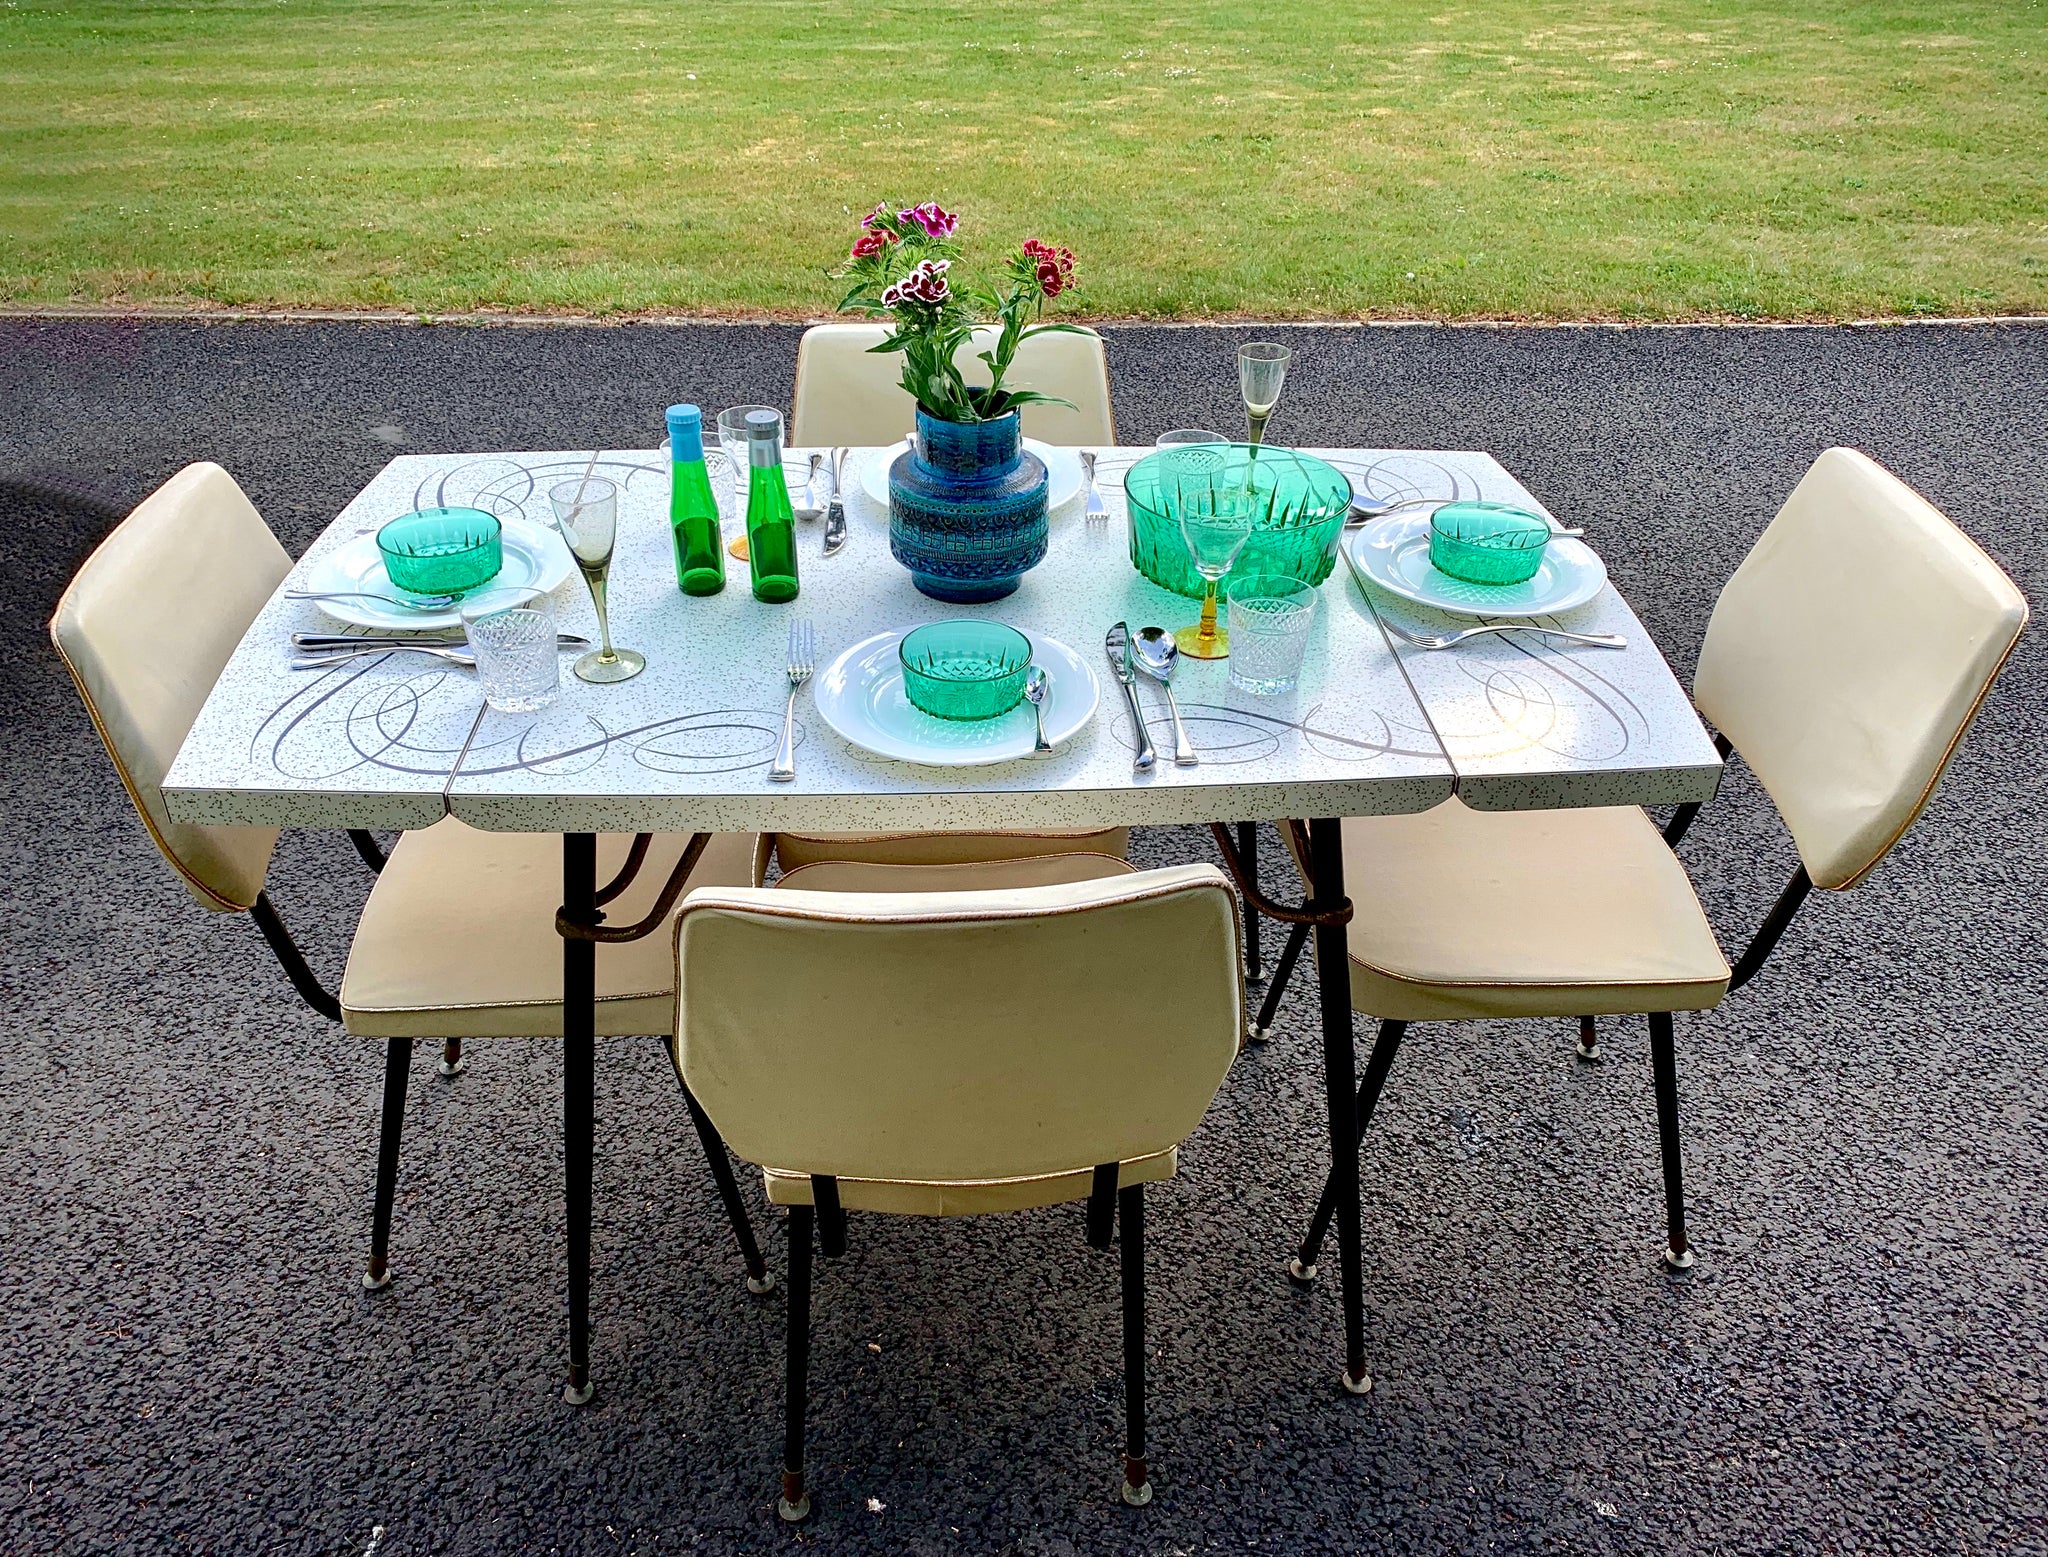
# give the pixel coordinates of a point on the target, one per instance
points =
(512, 635)
(1270, 617)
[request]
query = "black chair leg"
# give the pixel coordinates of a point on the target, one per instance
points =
(397, 1067)
(1262, 1025)
(452, 1062)
(759, 1280)
(1664, 1063)
(1301, 1270)
(1130, 1210)
(795, 1503)
(1248, 856)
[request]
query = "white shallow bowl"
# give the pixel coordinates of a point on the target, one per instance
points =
(860, 695)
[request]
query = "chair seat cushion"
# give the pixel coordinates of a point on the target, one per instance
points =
(972, 1199)
(1463, 913)
(795, 849)
(458, 938)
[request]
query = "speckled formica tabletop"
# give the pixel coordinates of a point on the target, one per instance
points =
(1374, 727)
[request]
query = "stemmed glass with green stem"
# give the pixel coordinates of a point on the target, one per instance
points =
(587, 510)
(1261, 370)
(1215, 524)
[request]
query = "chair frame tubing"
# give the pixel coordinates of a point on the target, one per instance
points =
(795, 1502)
(1130, 1212)
(579, 1095)
(391, 1126)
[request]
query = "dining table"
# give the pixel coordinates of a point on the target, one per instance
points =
(1375, 726)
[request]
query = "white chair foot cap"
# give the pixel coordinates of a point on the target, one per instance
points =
(573, 1396)
(456, 1069)
(763, 1283)
(1677, 1259)
(1301, 1275)
(1361, 1385)
(376, 1283)
(793, 1513)
(1137, 1496)
(1589, 1052)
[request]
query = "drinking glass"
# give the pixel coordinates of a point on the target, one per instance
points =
(1179, 435)
(1261, 370)
(512, 635)
(732, 438)
(587, 510)
(1215, 525)
(1270, 616)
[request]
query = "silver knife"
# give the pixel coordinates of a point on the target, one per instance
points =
(1116, 643)
(835, 509)
(324, 641)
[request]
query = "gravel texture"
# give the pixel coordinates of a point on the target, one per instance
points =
(1857, 1364)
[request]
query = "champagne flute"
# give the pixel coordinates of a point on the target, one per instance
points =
(1215, 524)
(1261, 370)
(587, 512)
(732, 437)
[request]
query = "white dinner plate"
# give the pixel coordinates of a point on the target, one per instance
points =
(1394, 553)
(860, 695)
(536, 558)
(1062, 472)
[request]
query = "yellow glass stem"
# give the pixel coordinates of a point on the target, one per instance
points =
(1208, 628)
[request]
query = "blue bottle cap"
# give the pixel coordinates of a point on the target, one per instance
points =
(685, 431)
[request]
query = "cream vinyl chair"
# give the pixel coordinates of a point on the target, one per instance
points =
(1845, 659)
(964, 1039)
(846, 393)
(457, 939)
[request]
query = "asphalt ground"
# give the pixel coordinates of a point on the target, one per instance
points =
(1857, 1364)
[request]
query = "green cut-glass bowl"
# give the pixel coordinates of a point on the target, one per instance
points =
(441, 552)
(1299, 507)
(964, 669)
(1487, 543)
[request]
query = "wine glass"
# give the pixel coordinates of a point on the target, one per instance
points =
(587, 511)
(1261, 370)
(732, 437)
(1215, 524)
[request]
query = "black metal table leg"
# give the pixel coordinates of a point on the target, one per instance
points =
(579, 1096)
(1326, 873)
(1248, 852)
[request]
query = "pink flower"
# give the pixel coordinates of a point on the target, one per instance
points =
(926, 284)
(1053, 267)
(934, 219)
(875, 218)
(872, 241)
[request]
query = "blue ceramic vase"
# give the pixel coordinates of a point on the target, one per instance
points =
(967, 509)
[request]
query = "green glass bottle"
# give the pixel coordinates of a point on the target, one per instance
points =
(692, 510)
(771, 525)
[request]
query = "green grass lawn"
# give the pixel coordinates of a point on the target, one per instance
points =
(1542, 158)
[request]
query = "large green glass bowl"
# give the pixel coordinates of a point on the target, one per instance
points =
(1300, 506)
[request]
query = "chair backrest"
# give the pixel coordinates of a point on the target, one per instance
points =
(960, 1037)
(145, 628)
(1848, 654)
(846, 394)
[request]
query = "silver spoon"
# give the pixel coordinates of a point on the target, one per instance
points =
(811, 507)
(1034, 694)
(1157, 653)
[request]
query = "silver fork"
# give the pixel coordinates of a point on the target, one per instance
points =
(1097, 511)
(1445, 640)
(800, 666)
